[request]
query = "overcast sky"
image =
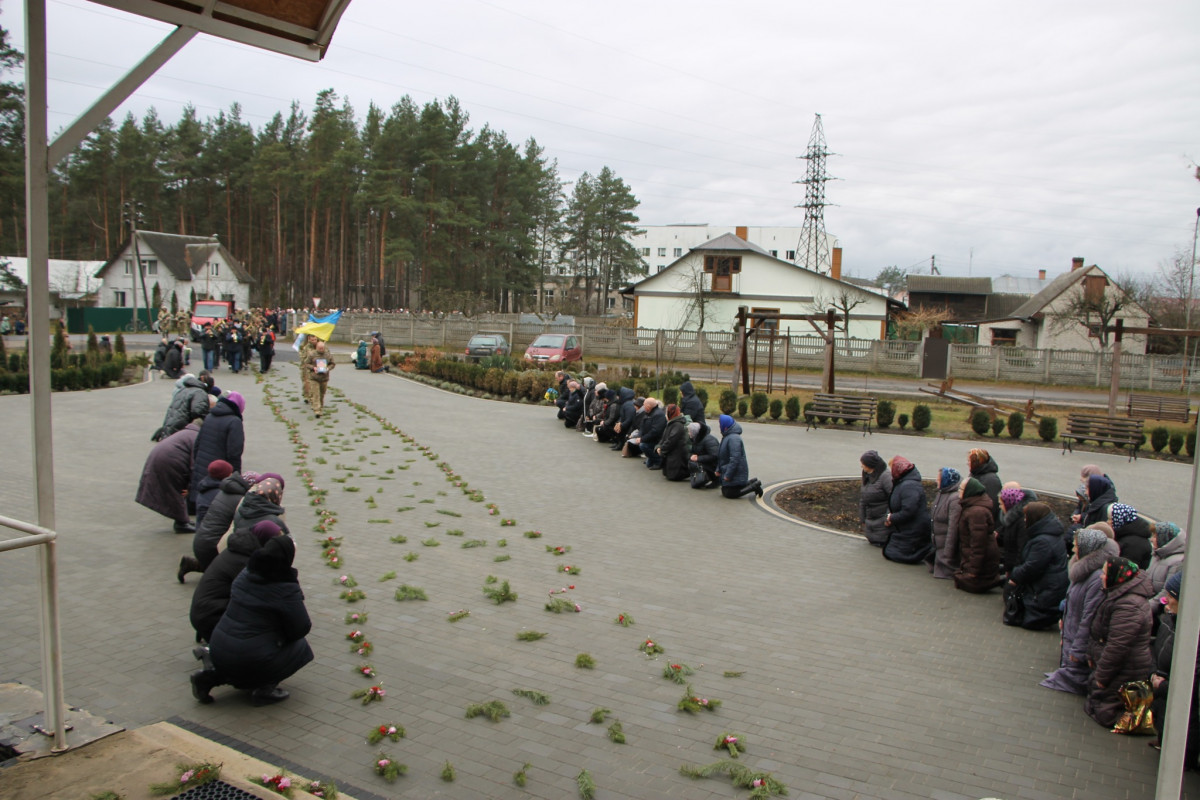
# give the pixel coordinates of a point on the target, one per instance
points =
(1000, 137)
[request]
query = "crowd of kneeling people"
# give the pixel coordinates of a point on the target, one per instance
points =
(248, 609)
(674, 438)
(1108, 579)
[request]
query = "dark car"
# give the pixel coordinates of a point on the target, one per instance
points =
(555, 348)
(483, 345)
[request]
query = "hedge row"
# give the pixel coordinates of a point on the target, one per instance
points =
(527, 384)
(66, 380)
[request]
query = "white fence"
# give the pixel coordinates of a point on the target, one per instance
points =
(716, 349)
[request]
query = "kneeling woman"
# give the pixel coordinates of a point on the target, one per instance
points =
(911, 533)
(1119, 649)
(260, 639)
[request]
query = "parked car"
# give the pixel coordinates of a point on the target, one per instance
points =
(483, 345)
(555, 348)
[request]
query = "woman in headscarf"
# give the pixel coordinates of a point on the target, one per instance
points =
(212, 529)
(1101, 494)
(1119, 648)
(873, 497)
(259, 641)
(911, 539)
(946, 509)
(673, 447)
(167, 475)
(262, 502)
(1041, 576)
(984, 469)
(1163, 647)
(1093, 548)
(979, 569)
(1010, 523)
(1169, 544)
(212, 592)
(1132, 532)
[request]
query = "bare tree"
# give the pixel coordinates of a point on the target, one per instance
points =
(1096, 307)
(693, 284)
(842, 300)
(913, 323)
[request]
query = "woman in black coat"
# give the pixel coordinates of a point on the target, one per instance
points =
(219, 516)
(260, 639)
(1101, 495)
(690, 403)
(222, 437)
(911, 538)
(212, 592)
(984, 469)
(873, 497)
(1041, 576)
(1132, 533)
(673, 447)
(1162, 650)
(705, 449)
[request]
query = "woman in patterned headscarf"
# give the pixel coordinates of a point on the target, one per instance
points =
(1119, 649)
(262, 502)
(1169, 545)
(1132, 532)
(946, 508)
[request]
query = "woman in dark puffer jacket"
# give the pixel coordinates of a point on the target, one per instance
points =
(260, 639)
(911, 539)
(212, 592)
(947, 507)
(1132, 533)
(1119, 649)
(979, 566)
(1101, 494)
(873, 497)
(1010, 523)
(1041, 576)
(673, 447)
(219, 516)
(984, 469)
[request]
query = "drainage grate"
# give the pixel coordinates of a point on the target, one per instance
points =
(217, 790)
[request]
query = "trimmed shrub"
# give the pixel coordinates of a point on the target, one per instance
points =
(792, 408)
(885, 413)
(702, 395)
(670, 395)
(981, 422)
(922, 417)
(759, 403)
(1048, 428)
(1176, 443)
(1159, 437)
(728, 401)
(508, 384)
(742, 408)
(119, 343)
(997, 426)
(808, 417)
(642, 389)
(1016, 424)
(902, 421)
(1190, 443)
(776, 408)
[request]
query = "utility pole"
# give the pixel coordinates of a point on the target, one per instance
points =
(133, 210)
(1187, 366)
(812, 251)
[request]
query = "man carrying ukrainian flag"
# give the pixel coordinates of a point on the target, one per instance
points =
(315, 361)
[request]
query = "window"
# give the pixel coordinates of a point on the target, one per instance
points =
(766, 324)
(119, 296)
(612, 301)
(678, 252)
(774, 253)
(662, 252)
(129, 266)
(214, 268)
(722, 269)
(646, 251)
(1004, 337)
(791, 255)
(151, 266)
(548, 295)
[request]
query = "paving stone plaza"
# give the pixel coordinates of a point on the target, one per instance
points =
(859, 678)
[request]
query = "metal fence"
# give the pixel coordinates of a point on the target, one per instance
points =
(716, 349)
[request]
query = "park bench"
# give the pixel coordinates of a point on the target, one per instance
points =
(846, 407)
(1149, 406)
(1111, 430)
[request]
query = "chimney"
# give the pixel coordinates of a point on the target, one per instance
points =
(835, 270)
(743, 233)
(1076, 263)
(1041, 274)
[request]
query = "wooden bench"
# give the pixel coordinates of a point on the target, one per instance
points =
(1149, 406)
(848, 407)
(1112, 430)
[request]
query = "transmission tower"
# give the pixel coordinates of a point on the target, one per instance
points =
(812, 251)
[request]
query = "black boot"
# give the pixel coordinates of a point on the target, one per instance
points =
(203, 655)
(185, 527)
(758, 490)
(203, 682)
(188, 564)
(265, 695)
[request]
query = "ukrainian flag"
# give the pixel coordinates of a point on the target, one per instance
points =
(320, 327)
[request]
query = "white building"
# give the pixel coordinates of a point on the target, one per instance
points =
(72, 283)
(703, 288)
(661, 245)
(179, 264)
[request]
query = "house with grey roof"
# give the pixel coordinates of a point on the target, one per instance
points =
(1067, 315)
(703, 289)
(177, 264)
